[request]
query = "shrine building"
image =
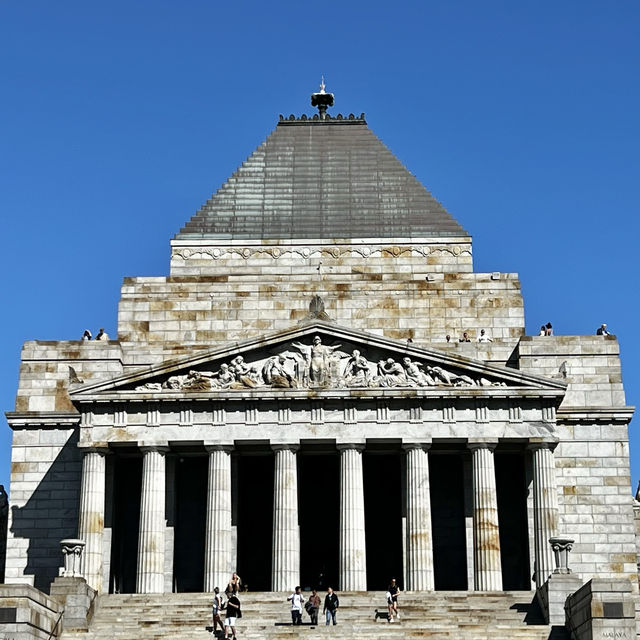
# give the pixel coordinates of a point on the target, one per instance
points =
(286, 403)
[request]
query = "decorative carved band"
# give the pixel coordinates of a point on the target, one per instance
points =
(364, 251)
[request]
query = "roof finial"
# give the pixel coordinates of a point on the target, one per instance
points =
(322, 100)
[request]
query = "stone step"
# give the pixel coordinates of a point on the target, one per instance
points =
(461, 615)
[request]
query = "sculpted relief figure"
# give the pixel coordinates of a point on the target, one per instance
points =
(276, 375)
(415, 375)
(318, 360)
(450, 379)
(246, 376)
(317, 365)
(391, 374)
(357, 372)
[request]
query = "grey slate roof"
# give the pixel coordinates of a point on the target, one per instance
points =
(321, 179)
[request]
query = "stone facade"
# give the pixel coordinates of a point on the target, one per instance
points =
(502, 445)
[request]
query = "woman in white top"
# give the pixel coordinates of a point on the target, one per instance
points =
(216, 609)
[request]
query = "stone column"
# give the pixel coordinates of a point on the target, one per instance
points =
(285, 572)
(91, 516)
(150, 575)
(545, 508)
(486, 533)
(217, 555)
(353, 552)
(419, 539)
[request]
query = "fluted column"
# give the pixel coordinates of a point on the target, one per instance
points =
(486, 533)
(545, 508)
(217, 555)
(419, 538)
(150, 574)
(285, 571)
(353, 552)
(91, 516)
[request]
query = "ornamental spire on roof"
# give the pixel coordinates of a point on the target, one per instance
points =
(322, 100)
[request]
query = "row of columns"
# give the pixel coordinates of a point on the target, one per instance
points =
(218, 560)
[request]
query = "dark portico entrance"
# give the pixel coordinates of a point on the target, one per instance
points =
(319, 516)
(254, 519)
(446, 479)
(190, 522)
(383, 491)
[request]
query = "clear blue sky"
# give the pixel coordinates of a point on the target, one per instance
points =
(118, 119)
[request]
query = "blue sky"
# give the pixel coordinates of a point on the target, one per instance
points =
(119, 119)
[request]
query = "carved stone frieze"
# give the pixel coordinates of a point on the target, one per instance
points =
(314, 365)
(336, 252)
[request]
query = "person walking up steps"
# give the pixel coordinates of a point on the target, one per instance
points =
(331, 604)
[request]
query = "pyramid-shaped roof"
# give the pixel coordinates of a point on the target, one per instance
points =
(323, 179)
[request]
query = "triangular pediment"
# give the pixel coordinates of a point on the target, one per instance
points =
(317, 358)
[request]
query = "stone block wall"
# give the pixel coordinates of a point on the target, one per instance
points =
(592, 457)
(28, 614)
(592, 366)
(45, 484)
(235, 306)
(45, 375)
(594, 499)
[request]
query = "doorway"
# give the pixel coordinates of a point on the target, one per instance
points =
(319, 517)
(512, 518)
(127, 488)
(190, 523)
(254, 502)
(383, 518)
(448, 522)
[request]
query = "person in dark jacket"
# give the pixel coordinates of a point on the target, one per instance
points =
(331, 604)
(233, 613)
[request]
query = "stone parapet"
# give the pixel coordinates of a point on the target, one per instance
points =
(590, 364)
(77, 598)
(27, 613)
(552, 597)
(49, 368)
(601, 609)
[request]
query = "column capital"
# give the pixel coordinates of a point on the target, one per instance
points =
(534, 445)
(285, 446)
(345, 446)
(474, 444)
(95, 447)
(423, 446)
(150, 448)
(210, 447)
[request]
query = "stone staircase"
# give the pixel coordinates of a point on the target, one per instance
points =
(266, 616)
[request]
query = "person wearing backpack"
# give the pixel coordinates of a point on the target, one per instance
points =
(297, 600)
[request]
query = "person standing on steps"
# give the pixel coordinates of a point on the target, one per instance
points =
(394, 591)
(297, 600)
(331, 604)
(233, 613)
(313, 606)
(217, 608)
